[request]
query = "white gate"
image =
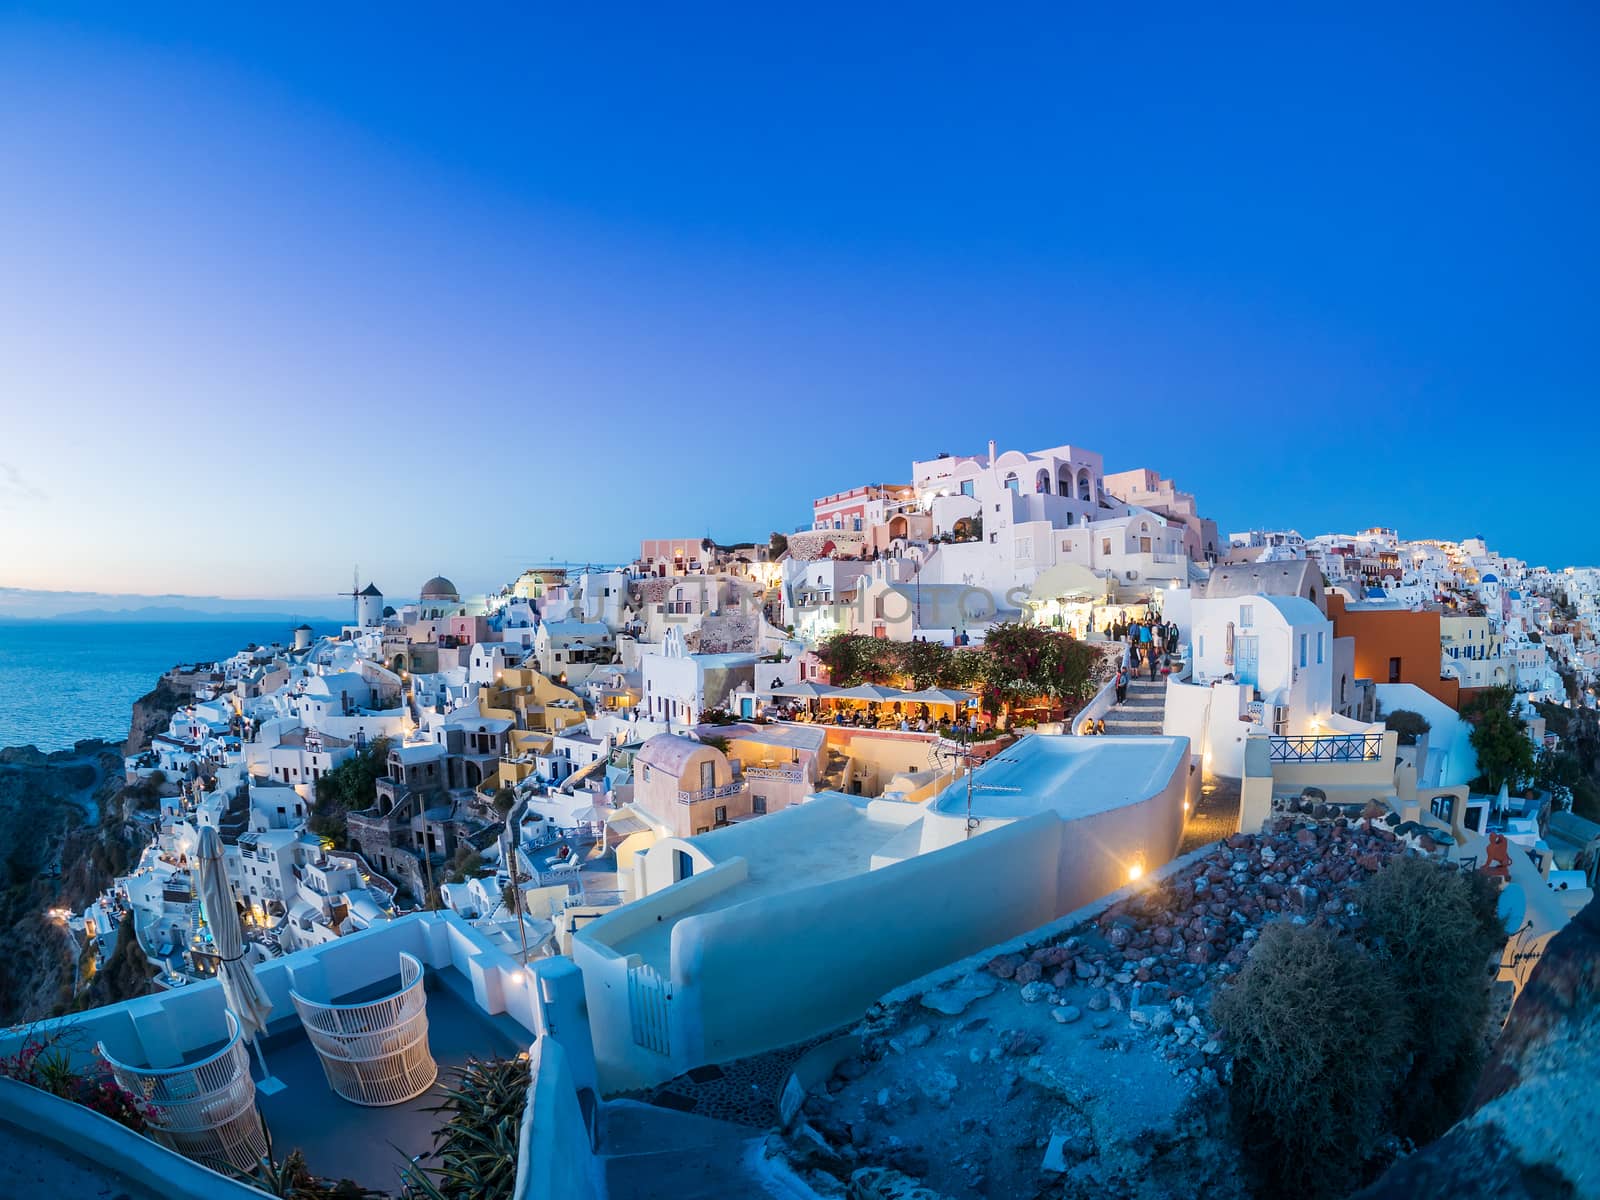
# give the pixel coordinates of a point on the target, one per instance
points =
(648, 997)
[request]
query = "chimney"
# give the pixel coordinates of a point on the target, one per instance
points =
(991, 452)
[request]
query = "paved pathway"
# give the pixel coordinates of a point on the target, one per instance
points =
(1216, 815)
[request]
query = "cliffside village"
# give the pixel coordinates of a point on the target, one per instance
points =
(735, 837)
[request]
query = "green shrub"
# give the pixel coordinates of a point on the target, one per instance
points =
(1409, 725)
(476, 1148)
(1434, 929)
(1316, 1032)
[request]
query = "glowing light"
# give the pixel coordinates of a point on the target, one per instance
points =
(516, 977)
(1135, 870)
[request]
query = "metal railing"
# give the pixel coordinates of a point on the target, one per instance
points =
(374, 1053)
(1344, 747)
(711, 793)
(204, 1110)
(788, 774)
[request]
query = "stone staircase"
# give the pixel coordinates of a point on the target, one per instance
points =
(1142, 711)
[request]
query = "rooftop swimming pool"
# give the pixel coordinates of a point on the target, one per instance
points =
(1071, 776)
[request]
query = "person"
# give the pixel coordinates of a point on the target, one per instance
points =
(1155, 658)
(1100, 726)
(1122, 685)
(1088, 727)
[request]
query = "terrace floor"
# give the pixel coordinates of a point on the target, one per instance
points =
(369, 1145)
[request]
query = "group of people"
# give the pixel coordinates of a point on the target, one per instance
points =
(1150, 643)
(1093, 727)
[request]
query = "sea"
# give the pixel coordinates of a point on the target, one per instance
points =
(62, 680)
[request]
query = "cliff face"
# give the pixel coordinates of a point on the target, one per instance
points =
(1530, 1134)
(152, 712)
(63, 836)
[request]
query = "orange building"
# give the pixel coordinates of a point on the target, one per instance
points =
(1395, 645)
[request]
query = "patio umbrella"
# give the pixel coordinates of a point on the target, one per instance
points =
(241, 989)
(867, 691)
(805, 691)
(935, 695)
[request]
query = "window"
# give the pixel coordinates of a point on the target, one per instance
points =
(1303, 640)
(1444, 807)
(1200, 646)
(1144, 545)
(758, 805)
(1105, 545)
(1012, 484)
(1394, 670)
(966, 487)
(1320, 635)
(1247, 616)
(722, 814)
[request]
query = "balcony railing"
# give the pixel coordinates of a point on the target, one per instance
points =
(1345, 747)
(788, 774)
(711, 793)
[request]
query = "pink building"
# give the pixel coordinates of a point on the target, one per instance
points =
(1148, 490)
(859, 509)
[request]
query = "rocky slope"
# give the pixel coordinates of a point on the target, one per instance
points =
(66, 830)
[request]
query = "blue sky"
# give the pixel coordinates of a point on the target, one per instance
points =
(287, 290)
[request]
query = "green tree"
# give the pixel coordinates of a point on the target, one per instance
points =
(504, 800)
(350, 787)
(1434, 929)
(1505, 755)
(1316, 1031)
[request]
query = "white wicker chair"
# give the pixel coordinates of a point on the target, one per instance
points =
(205, 1110)
(374, 1053)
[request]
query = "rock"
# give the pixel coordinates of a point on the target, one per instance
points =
(1066, 1014)
(1143, 1016)
(1101, 1022)
(1028, 972)
(851, 1068)
(1084, 970)
(1036, 991)
(1098, 1002)
(1018, 1043)
(953, 1000)
(938, 1086)
(790, 1102)
(1003, 966)
(917, 1035)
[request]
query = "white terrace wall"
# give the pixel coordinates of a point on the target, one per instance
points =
(555, 1160)
(622, 1064)
(160, 1030)
(73, 1130)
(785, 967)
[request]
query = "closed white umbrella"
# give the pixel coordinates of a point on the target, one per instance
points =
(241, 989)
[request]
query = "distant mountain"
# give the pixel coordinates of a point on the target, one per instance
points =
(151, 613)
(18, 604)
